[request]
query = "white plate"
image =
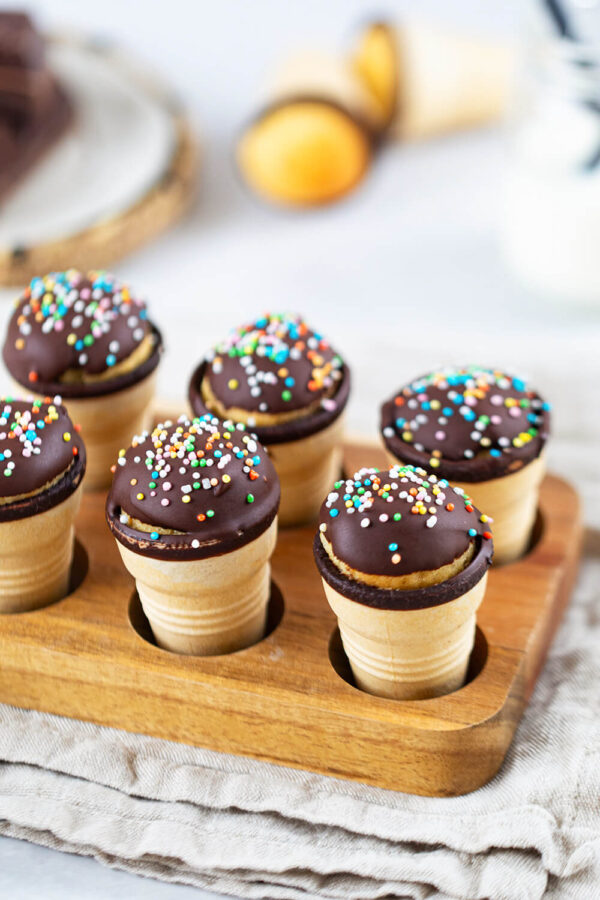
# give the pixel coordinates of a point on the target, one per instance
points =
(121, 143)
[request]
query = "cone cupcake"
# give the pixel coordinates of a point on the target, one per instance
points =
(427, 81)
(87, 338)
(193, 507)
(403, 557)
(42, 462)
(313, 141)
(484, 431)
(285, 382)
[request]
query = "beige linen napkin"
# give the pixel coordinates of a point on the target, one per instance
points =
(259, 831)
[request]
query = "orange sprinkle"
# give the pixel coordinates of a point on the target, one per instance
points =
(449, 506)
(33, 376)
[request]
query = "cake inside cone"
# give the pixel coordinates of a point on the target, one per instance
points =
(40, 450)
(401, 529)
(305, 152)
(80, 333)
(34, 109)
(192, 488)
(466, 423)
(271, 371)
(376, 65)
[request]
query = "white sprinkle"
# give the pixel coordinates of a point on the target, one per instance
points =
(431, 521)
(364, 523)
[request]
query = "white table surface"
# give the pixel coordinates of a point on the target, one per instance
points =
(408, 269)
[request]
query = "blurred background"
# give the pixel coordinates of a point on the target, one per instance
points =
(405, 273)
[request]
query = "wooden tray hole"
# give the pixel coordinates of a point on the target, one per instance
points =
(141, 625)
(339, 660)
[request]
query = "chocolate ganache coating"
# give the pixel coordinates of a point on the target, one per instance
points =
(468, 424)
(396, 522)
(275, 366)
(209, 480)
(41, 454)
(67, 322)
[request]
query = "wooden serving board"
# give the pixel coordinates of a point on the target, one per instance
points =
(290, 698)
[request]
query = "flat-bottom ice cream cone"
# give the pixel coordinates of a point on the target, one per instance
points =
(210, 606)
(108, 423)
(306, 470)
(511, 503)
(36, 555)
(408, 654)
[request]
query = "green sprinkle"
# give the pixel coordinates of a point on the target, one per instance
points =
(286, 395)
(88, 340)
(250, 498)
(210, 513)
(397, 517)
(152, 484)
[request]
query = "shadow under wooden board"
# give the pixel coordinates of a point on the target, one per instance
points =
(290, 699)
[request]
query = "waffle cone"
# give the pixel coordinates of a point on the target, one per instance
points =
(408, 654)
(326, 76)
(108, 423)
(206, 607)
(448, 81)
(511, 501)
(307, 468)
(35, 557)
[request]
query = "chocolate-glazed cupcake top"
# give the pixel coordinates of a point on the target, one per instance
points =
(283, 376)
(275, 364)
(209, 481)
(400, 521)
(38, 446)
(79, 334)
(468, 424)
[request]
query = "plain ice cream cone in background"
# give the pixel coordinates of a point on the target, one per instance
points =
(306, 469)
(35, 557)
(108, 423)
(408, 654)
(312, 143)
(428, 80)
(327, 76)
(206, 607)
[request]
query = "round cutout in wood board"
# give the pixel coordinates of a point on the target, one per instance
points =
(124, 172)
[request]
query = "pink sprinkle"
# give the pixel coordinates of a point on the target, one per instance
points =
(84, 293)
(164, 502)
(167, 486)
(496, 420)
(470, 401)
(440, 435)
(514, 411)
(496, 400)
(59, 325)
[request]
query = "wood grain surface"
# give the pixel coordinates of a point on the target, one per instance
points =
(289, 699)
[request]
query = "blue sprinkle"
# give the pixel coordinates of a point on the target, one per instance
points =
(518, 384)
(532, 418)
(1, 457)
(472, 532)
(289, 381)
(392, 547)
(40, 423)
(495, 452)
(426, 405)
(469, 415)
(30, 435)
(400, 423)
(546, 406)
(333, 513)
(240, 454)
(448, 411)
(110, 359)
(458, 399)
(218, 454)
(143, 314)
(79, 345)
(154, 535)
(257, 460)
(346, 497)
